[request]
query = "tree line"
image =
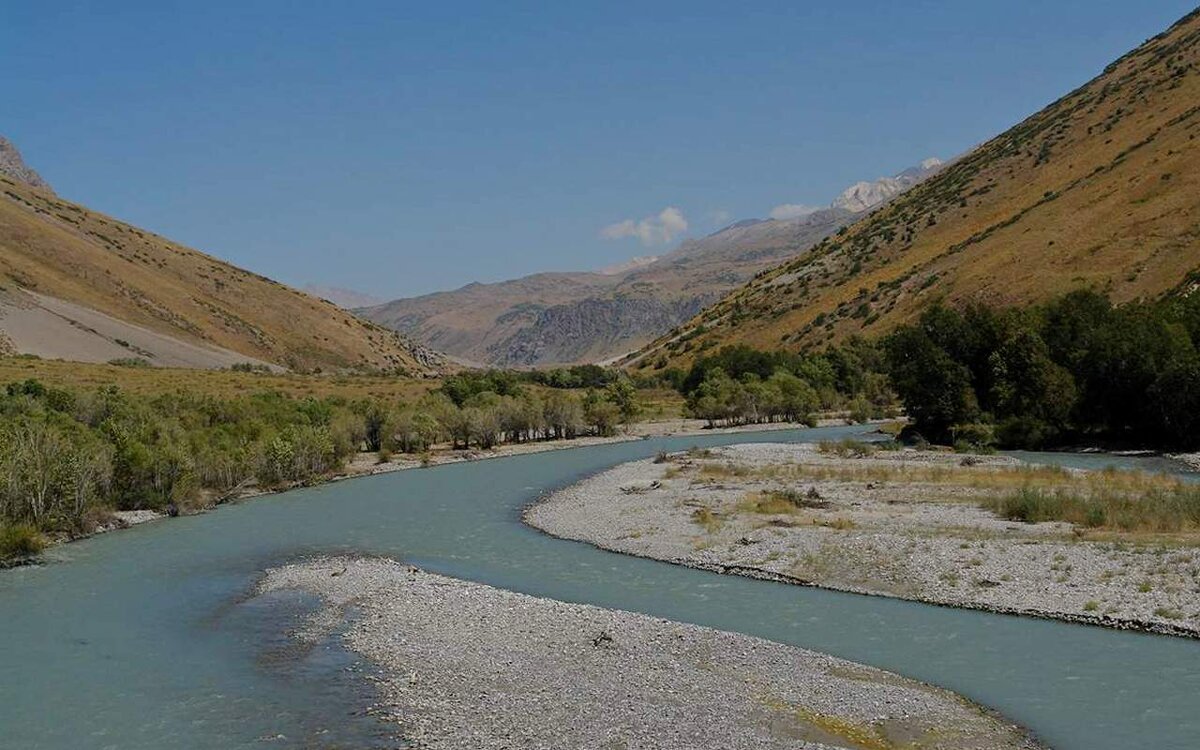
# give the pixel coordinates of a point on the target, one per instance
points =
(70, 457)
(742, 385)
(1077, 369)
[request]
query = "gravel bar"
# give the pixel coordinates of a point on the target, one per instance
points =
(925, 543)
(464, 665)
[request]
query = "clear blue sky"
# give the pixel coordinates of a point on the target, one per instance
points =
(399, 148)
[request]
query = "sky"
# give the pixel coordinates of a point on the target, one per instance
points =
(400, 148)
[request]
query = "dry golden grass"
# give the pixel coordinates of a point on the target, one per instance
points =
(58, 248)
(1108, 505)
(153, 380)
(768, 503)
(1100, 189)
(726, 470)
(976, 477)
(709, 521)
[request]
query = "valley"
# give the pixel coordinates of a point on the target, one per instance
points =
(557, 318)
(916, 467)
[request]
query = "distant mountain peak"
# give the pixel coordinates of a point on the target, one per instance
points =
(347, 299)
(13, 166)
(862, 196)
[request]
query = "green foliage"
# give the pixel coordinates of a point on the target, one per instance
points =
(460, 388)
(936, 390)
(576, 376)
(130, 362)
(1159, 509)
(65, 456)
(19, 540)
(847, 448)
(742, 385)
(1076, 368)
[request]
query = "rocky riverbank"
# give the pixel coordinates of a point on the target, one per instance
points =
(909, 524)
(466, 665)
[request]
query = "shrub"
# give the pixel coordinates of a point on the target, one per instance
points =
(1031, 505)
(1157, 509)
(846, 448)
(796, 498)
(860, 410)
(1026, 432)
(710, 521)
(20, 540)
(974, 434)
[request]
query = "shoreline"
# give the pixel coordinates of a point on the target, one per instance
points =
(854, 544)
(367, 465)
(463, 664)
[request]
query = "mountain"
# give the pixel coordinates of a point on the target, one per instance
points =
(1101, 189)
(347, 299)
(77, 284)
(865, 195)
(554, 318)
(15, 168)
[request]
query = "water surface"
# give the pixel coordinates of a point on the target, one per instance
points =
(145, 638)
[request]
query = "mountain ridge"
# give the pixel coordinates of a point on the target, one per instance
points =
(78, 284)
(568, 317)
(1100, 189)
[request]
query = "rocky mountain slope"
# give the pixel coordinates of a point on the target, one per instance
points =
(1100, 189)
(863, 196)
(14, 167)
(589, 317)
(76, 284)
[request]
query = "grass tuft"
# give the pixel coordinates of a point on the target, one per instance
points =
(19, 541)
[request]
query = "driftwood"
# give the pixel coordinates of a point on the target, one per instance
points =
(638, 490)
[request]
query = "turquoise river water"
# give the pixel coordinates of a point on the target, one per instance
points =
(150, 638)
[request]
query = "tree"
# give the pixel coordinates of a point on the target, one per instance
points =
(1026, 382)
(797, 400)
(601, 413)
(623, 395)
(36, 460)
(563, 415)
(936, 390)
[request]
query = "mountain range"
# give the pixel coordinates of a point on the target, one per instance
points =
(553, 318)
(1099, 190)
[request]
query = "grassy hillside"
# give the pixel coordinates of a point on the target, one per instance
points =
(153, 381)
(67, 252)
(1099, 190)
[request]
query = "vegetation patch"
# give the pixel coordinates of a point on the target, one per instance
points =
(706, 518)
(1159, 509)
(19, 540)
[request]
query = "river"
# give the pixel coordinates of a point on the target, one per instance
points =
(148, 638)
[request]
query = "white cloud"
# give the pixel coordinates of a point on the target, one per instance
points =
(652, 230)
(792, 211)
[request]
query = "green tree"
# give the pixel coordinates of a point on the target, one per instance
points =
(935, 389)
